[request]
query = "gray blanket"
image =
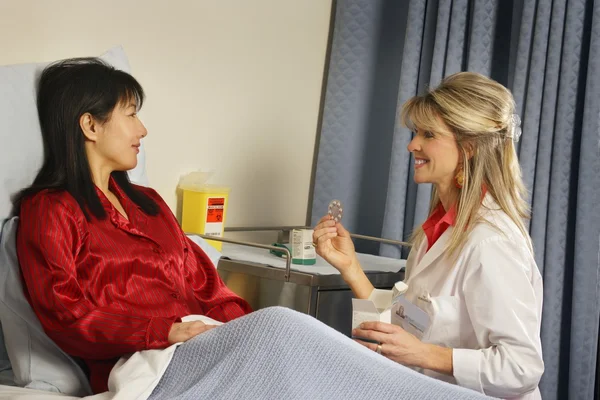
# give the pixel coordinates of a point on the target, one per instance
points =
(277, 353)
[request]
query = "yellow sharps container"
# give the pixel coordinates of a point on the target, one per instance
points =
(204, 211)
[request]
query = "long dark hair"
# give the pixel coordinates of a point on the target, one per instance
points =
(68, 89)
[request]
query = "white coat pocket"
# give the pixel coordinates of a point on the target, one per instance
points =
(444, 330)
(410, 317)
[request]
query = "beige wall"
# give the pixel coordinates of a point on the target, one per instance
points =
(232, 86)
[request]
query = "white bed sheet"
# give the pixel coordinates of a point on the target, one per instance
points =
(17, 393)
(133, 378)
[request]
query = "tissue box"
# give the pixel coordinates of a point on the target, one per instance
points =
(378, 307)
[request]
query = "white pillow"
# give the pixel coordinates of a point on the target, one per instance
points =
(21, 149)
(6, 373)
(37, 362)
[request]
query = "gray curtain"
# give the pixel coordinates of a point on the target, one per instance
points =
(547, 52)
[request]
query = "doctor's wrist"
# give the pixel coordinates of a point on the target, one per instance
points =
(436, 358)
(355, 277)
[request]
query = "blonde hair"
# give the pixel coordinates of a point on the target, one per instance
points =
(479, 111)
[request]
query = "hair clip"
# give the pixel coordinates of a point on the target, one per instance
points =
(515, 132)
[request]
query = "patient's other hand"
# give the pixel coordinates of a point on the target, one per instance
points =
(183, 331)
(333, 242)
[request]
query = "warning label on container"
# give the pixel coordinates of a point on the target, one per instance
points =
(215, 211)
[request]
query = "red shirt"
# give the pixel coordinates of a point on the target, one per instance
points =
(437, 223)
(106, 288)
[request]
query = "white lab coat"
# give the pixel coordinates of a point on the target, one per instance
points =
(486, 306)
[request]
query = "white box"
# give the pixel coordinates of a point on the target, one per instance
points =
(303, 250)
(378, 307)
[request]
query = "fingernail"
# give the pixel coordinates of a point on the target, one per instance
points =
(362, 326)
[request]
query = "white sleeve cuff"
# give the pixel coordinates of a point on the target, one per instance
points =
(466, 365)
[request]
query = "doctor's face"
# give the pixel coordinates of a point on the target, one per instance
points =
(436, 156)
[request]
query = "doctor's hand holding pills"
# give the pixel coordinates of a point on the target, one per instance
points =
(333, 242)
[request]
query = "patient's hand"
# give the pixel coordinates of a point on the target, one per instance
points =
(183, 331)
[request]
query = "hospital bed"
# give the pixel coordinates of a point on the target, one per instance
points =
(265, 280)
(247, 268)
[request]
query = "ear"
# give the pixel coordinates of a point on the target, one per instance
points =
(469, 149)
(90, 127)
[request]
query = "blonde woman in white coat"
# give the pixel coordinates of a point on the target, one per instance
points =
(471, 272)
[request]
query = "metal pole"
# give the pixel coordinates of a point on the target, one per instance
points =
(376, 239)
(288, 260)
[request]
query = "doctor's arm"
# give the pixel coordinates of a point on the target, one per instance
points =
(504, 310)
(333, 242)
